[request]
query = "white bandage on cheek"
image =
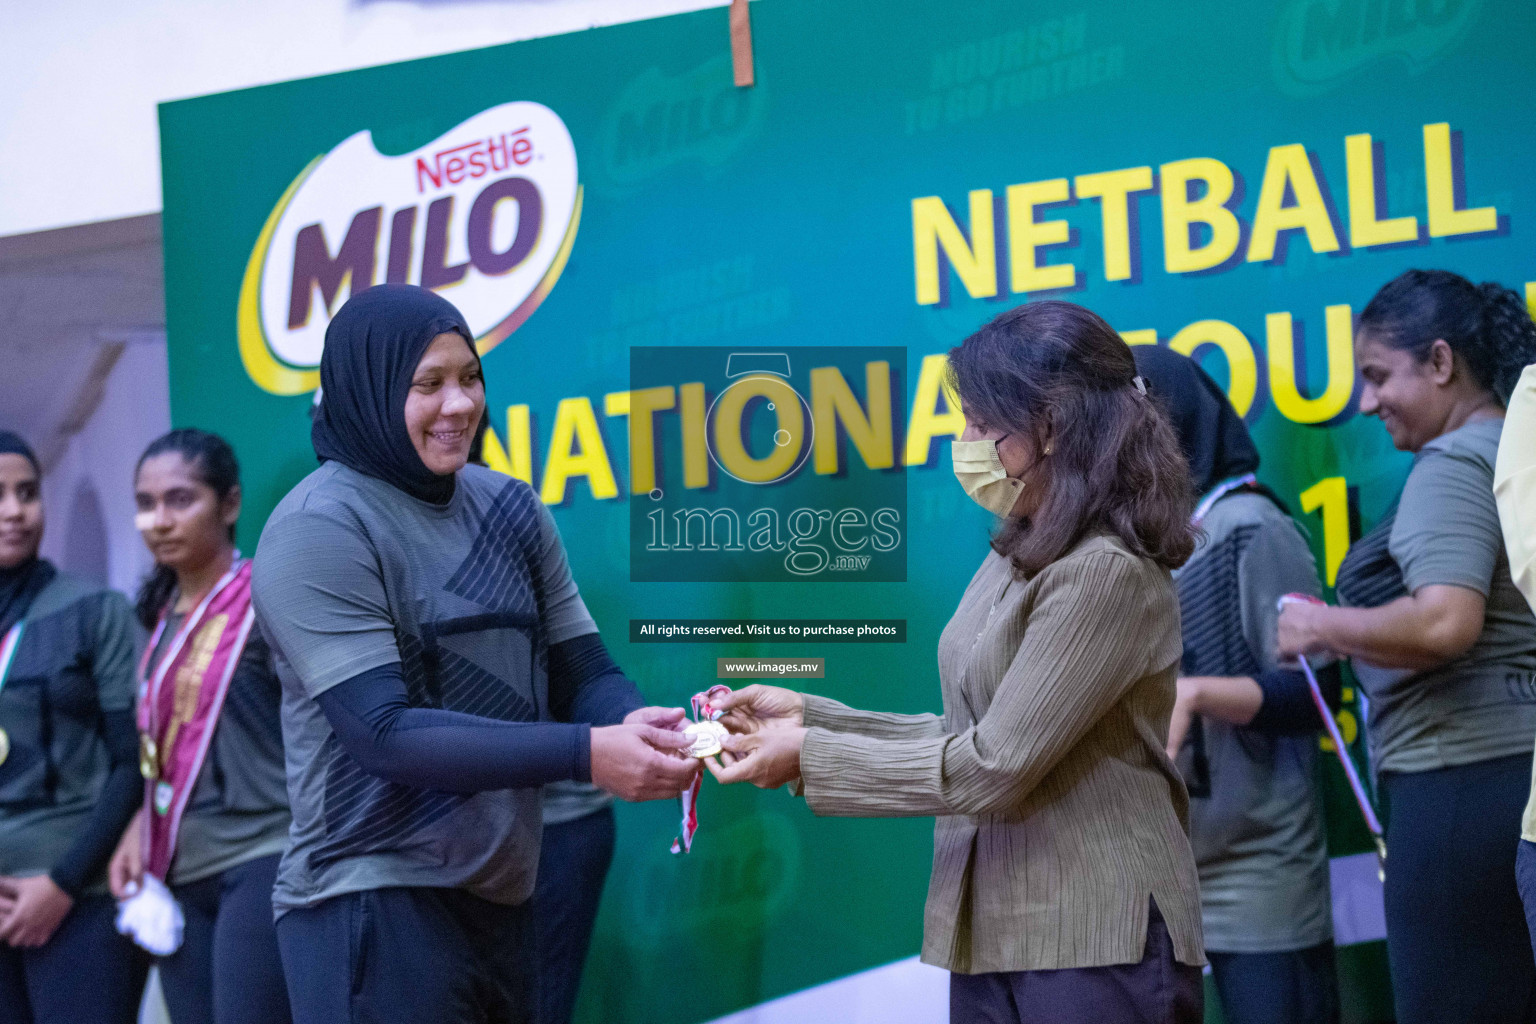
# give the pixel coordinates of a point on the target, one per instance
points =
(144, 521)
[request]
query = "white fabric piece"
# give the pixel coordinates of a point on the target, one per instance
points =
(152, 918)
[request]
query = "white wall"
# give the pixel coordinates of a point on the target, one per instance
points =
(79, 143)
(79, 137)
(97, 467)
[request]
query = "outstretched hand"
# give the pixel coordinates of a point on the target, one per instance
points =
(768, 758)
(637, 761)
(758, 707)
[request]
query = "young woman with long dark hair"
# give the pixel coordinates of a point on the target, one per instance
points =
(214, 817)
(67, 779)
(1063, 885)
(1444, 647)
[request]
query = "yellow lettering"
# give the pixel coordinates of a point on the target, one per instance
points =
(1289, 165)
(1283, 387)
(975, 261)
(788, 439)
(516, 459)
(1026, 235)
(1364, 227)
(928, 421)
(1146, 336)
(1440, 172)
(1242, 366)
(1331, 496)
(641, 408)
(576, 449)
(833, 401)
(1113, 190)
(695, 443)
(1180, 212)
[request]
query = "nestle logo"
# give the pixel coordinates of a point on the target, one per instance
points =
(474, 159)
(1319, 42)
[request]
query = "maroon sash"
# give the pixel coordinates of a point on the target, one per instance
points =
(179, 704)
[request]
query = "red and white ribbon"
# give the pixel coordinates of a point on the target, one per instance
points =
(688, 799)
(1357, 787)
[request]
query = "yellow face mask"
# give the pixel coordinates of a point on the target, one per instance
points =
(981, 473)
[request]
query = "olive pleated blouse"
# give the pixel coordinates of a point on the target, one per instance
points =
(1059, 813)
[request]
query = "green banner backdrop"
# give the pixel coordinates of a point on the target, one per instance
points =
(1231, 180)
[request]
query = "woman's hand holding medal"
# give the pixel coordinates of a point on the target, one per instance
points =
(767, 731)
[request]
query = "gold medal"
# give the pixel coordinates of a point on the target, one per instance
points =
(5, 746)
(705, 737)
(149, 760)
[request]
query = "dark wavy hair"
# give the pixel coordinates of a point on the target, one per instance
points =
(1056, 370)
(1486, 324)
(213, 463)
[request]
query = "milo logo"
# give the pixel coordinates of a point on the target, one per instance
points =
(1320, 42)
(489, 210)
(660, 120)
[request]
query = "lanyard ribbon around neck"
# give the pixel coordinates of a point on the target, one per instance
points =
(8, 648)
(1220, 491)
(176, 722)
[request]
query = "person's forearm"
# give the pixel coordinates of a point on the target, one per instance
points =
(585, 685)
(1234, 699)
(1289, 708)
(1408, 633)
(120, 796)
(448, 750)
(825, 713)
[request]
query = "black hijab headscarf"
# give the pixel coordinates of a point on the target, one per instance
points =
(1214, 438)
(20, 584)
(372, 347)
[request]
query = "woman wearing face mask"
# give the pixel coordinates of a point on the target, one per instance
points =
(1250, 724)
(1444, 646)
(68, 781)
(438, 666)
(214, 818)
(1063, 887)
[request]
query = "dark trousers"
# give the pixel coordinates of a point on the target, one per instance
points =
(573, 864)
(1158, 990)
(1456, 934)
(409, 956)
(227, 969)
(86, 972)
(1525, 877)
(1298, 987)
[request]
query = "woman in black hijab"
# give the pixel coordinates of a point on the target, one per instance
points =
(68, 772)
(439, 666)
(1243, 731)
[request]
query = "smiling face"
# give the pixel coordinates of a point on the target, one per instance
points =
(444, 406)
(21, 511)
(1413, 399)
(182, 520)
